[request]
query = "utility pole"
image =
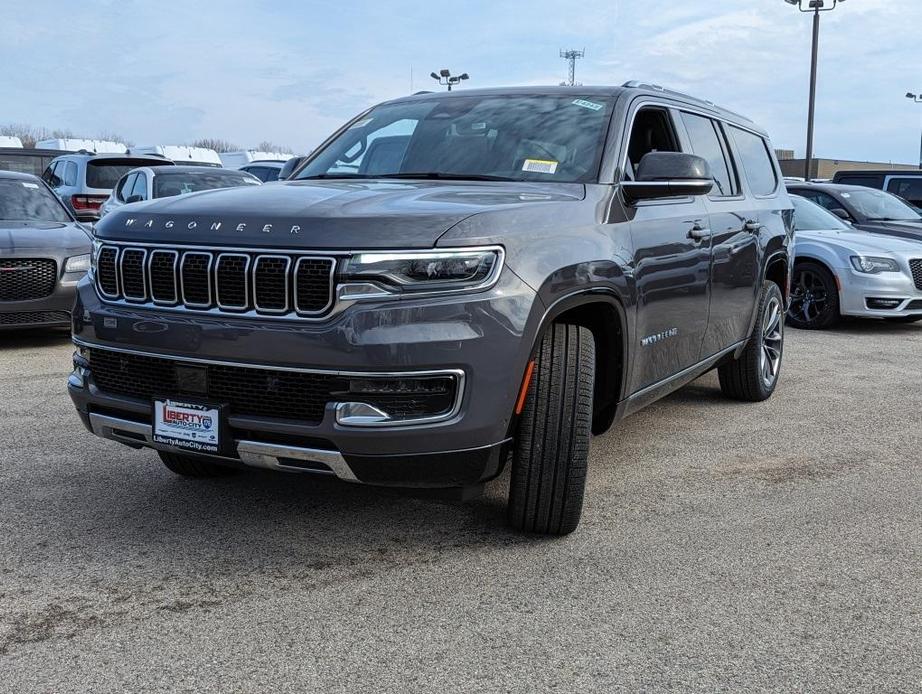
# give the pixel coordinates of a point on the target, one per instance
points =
(918, 99)
(814, 6)
(571, 56)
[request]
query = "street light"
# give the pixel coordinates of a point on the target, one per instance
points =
(918, 99)
(814, 6)
(445, 78)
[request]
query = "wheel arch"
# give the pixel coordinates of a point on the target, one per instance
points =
(603, 313)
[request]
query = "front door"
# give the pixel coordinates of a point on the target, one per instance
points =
(672, 258)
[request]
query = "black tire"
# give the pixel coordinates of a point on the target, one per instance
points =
(552, 442)
(904, 319)
(814, 297)
(755, 374)
(193, 466)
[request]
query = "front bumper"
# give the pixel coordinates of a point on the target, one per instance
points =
(859, 292)
(484, 336)
(48, 312)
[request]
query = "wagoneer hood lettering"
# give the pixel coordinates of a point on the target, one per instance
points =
(328, 214)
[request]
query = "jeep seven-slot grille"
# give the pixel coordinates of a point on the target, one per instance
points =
(916, 266)
(22, 279)
(230, 281)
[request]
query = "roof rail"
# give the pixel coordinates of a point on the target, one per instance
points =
(637, 84)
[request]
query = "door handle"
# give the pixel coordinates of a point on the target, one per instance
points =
(752, 226)
(698, 232)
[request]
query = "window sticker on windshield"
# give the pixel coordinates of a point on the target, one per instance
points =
(185, 187)
(545, 166)
(591, 105)
(361, 123)
(478, 126)
(26, 184)
(846, 195)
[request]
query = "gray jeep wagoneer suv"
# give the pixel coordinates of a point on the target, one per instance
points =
(449, 283)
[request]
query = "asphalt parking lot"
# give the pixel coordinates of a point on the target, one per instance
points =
(724, 546)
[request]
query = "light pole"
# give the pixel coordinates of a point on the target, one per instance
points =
(445, 78)
(814, 6)
(918, 99)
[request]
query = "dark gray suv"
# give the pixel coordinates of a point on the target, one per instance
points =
(451, 282)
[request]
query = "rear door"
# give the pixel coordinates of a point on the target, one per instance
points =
(672, 255)
(734, 220)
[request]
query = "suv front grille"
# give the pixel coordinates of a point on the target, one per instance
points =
(227, 281)
(24, 279)
(916, 266)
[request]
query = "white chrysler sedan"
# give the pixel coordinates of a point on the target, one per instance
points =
(842, 271)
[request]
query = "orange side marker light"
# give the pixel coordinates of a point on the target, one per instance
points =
(525, 383)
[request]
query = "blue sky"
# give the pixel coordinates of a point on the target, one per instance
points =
(290, 71)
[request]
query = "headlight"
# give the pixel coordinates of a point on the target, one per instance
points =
(77, 263)
(460, 269)
(873, 265)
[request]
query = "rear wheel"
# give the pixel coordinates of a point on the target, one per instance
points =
(552, 442)
(814, 297)
(193, 466)
(754, 375)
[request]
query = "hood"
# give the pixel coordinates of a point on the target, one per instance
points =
(861, 241)
(18, 236)
(344, 214)
(905, 230)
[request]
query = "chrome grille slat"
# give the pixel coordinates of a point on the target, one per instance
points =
(270, 283)
(132, 273)
(234, 281)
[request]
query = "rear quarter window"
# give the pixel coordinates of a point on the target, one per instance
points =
(756, 161)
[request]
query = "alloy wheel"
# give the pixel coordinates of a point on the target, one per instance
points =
(809, 297)
(772, 341)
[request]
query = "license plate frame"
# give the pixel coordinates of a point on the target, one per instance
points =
(188, 424)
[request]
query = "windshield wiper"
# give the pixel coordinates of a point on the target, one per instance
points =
(425, 175)
(892, 219)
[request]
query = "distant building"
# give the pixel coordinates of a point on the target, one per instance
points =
(826, 168)
(784, 154)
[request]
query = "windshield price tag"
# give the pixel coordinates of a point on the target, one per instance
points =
(545, 166)
(591, 105)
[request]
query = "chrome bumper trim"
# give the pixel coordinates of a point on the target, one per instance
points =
(252, 453)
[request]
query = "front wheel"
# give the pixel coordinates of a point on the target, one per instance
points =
(754, 375)
(814, 297)
(552, 442)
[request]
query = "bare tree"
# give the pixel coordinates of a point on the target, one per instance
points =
(266, 146)
(216, 144)
(111, 136)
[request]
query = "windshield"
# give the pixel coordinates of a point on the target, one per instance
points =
(169, 184)
(30, 202)
(808, 216)
(515, 138)
(880, 206)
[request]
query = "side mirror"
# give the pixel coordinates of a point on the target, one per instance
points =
(669, 174)
(841, 214)
(134, 198)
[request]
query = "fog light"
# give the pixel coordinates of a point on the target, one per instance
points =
(390, 401)
(883, 304)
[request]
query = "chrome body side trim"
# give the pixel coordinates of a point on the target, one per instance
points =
(252, 453)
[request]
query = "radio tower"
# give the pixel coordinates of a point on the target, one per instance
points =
(571, 57)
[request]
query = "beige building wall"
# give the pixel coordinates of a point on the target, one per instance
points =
(826, 168)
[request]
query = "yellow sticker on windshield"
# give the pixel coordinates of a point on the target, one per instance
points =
(545, 166)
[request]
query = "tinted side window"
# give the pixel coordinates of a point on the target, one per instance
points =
(70, 173)
(907, 188)
(868, 181)
(53, 173)
(121, 190)
(127, 186)
(827, 201)
(652, 131)
(140, 186)
(756, 161)
(707, 142)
